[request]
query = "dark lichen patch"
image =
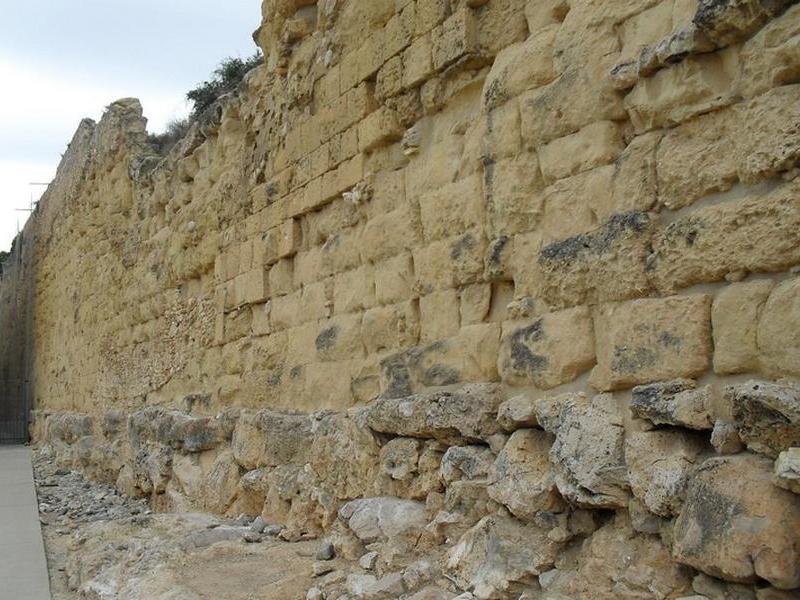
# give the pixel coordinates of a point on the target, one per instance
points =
(296, 371)
(327, 338)
(707, 516)
(684, 231)
(597, 242)
(463, 244)
(275, 377)
(632, 360)
(668, 340)
(441, 375)
(521, 355)
(396, 374)
(494, 260)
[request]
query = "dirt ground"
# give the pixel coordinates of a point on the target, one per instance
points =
(102, 546)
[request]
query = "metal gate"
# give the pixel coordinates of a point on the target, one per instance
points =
(14, 412)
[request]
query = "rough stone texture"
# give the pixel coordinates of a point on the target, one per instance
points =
(787, 470)
(659, 467)
(549, 351)
(649, 340)
(500, 555)
(724, 541)
(767, 415)
(522, 477)
(588, 453)
(677, 402)
(468, 413)
(357, 275)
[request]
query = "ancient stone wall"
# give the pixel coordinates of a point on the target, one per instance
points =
(505, 270)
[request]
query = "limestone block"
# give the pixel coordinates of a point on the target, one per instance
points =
(697, 85)
(389, 234)
(390, 327)
(455, 38)
(466, 463)
(778, 337)
(500, 553)
(773, 146)
(695, 158)
(650, 340)
(758, 233)
(328, 385)
(399, 31)
(289, 238)
(390, 79)
(577, 97)
(501, 133)
(787, 470)
(588, 452)
(734, 319)
(394, 279)
(594, 145)
(729, 22)
(450, 262)
(635, 185)
(725, 438)
(518, 412)
(771, 57)
(221, 483)
(580, 269)
(512, 189)
(660, 464)
(520, 67)
(281, 277)
(439, 315)
(679, 402)
(452, 208)
(340, 338)
(374, 519)
(252, 287)
(418, 62)
(548, 351)
(468, 413)
(475, 303)
(522, 478)
(727, 545)
(284, 313)
(354, 290)
(314, 302)
(767, 415)
(573, 206)
(541, 14)
(380, 128)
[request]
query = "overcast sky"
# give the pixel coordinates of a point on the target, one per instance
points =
(63, 60)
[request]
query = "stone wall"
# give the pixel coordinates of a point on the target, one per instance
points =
(554, 200)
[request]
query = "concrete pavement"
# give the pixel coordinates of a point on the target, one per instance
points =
(23, 567)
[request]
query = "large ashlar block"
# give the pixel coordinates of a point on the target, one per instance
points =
(418, 62)
(759, 233)
(593, 146)
(452, 208)
(519, 68)
(649, 340)
(252, 287)
(548, 351)
(606, 264)
(697, 85)
(394, 279)
(734, 318)
(340, 338)
(389, 328)
(576, 98)
(389, 234)
(354, 290)
(512, 189)
(778, 338)
(456, 38)
(771, 58)
(451, 262)
(468, 357)
(439, 315)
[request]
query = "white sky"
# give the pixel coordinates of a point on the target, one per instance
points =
(63, 60)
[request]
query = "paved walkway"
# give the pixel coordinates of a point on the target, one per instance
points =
(23, 567)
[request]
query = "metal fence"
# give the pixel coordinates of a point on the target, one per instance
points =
(14, 412)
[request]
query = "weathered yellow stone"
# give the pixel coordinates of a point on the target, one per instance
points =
(734, 318)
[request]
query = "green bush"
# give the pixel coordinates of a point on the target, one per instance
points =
(175, 131)
(227, 76)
